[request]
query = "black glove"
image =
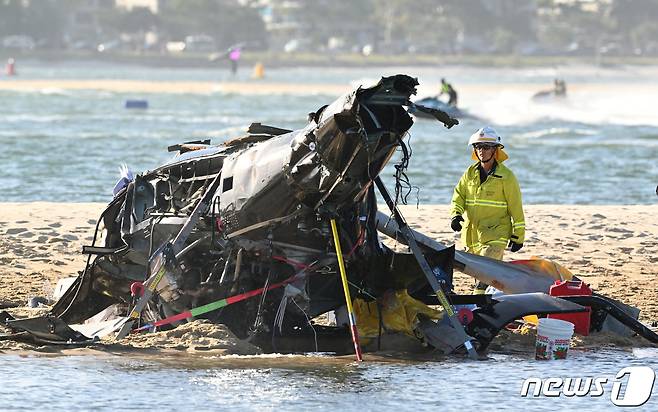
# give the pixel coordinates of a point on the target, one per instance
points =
(515, 247)
(456, 223)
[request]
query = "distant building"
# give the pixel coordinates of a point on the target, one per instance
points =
(153, 5)
(585, 5)
(284, 21)
(83, 22)
(290, 28)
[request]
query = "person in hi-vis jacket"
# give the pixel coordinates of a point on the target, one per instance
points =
(489, 196)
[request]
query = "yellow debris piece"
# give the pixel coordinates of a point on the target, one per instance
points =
(399, 313)
(554, 269)
(531, 319)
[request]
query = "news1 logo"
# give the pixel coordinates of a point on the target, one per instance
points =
(631, 387)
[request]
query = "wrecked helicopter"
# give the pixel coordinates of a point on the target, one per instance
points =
(247, 233)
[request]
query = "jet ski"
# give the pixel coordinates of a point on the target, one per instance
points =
(546, 95)
(558, 92)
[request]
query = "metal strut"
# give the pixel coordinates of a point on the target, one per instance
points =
(407, 233)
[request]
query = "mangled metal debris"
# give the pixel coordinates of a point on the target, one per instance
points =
(239, 234)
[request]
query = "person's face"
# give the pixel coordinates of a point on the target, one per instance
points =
(485, 151)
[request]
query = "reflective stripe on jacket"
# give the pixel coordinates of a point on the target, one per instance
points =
(493, 210)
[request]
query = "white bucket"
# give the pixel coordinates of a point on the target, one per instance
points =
(553, 338)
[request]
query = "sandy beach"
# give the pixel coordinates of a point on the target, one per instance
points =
(613, 248)
(261, 87)
(194, 87)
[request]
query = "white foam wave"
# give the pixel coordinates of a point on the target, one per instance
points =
(34, 118)
(55, 91)
(589, 105)
(226, 132)
(553, 131)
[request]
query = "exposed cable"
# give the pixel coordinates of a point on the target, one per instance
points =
(402, 182)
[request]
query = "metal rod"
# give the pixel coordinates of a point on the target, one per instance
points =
(346, 289)
(238, 265)
(222, 278)
(191, 245)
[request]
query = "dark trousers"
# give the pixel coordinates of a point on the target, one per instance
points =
(453, 99)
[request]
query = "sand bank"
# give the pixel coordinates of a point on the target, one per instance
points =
(266, 87)
(194, 87)
(613, 248)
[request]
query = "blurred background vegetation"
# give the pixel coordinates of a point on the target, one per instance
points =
(361, 28)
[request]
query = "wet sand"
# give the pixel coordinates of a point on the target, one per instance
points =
(613, 248)
(143, 86)
(266, 87)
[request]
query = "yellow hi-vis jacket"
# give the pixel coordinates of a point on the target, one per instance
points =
(493, 209)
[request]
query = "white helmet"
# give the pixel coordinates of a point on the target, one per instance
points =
(486, 134)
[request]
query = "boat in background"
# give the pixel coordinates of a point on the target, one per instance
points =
(558, 92)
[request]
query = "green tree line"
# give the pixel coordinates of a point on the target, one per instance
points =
(445, 26)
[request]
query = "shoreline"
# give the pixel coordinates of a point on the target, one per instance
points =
(260, 87)
(317, 60)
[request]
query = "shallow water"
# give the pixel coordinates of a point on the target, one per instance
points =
(599, 146)
(303, 382)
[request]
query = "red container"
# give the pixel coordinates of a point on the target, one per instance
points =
(581, 320)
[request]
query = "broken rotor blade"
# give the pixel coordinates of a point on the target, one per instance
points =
(439, 115)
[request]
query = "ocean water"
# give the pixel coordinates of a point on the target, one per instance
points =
(599, 146)
(301, 383)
